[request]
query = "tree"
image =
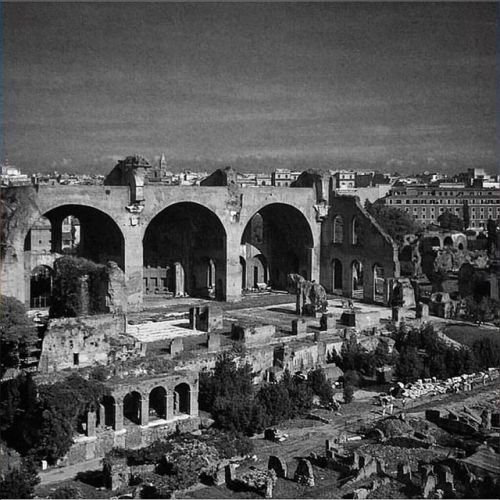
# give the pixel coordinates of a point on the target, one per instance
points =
(396, 223)
(320, 386)
(448, 220)
(410, 365)
(20, 482)
(17, 333)
(348, 393)
(275, 401)
(42, 426)
(491, 229)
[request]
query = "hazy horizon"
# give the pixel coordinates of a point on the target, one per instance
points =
(321, 85)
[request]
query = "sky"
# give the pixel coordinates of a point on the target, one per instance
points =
(262, 85)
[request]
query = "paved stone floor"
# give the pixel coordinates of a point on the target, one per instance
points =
(278, 310)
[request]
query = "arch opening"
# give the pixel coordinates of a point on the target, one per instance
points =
(277, 241)
(338, 229)
(378, 283)
(132, 407)
(158, 403)
(108, 405)
(182, 399)
(356, 231)
(183, 246)
(40, 286)
(86, 232)
(448, 241)
(357, 279)
(337, 276)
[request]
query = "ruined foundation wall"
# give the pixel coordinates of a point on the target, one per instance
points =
(79, 342)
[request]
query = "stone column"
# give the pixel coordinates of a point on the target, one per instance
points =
(169, 406)
(91, 423)
(118, 416)
(144, 417)
(133, 264)
(102, 416)
(194, 404)
(233, 268)
(314, 263)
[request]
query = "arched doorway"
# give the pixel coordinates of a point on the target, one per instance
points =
(132, 407)
(448, 241)
(278, 235)
(357, 279)
(337, 276)
(158, 403)
(40, 286)
(378, 283)
(435, 242)
(182, 399)
(243, 270)
(184, 243)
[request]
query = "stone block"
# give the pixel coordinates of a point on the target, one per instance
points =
(304, 473)
(327, 322)
(422, 311)
(278, 465)
(253, 334)
(213, 342)
(428, 485)
(176, 346)
(299, 327)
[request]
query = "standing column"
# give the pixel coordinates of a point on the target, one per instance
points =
(118, 416)
(232, 276)
(193, 406)
(169, 406)
(91, 424)
(102, 416)
(144, 417)
(133, 264)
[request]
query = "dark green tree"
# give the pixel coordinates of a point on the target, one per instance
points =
(450, 221)
(410, 365)
(17, 333)
(396, 223)
(275, 401)
(320, 386)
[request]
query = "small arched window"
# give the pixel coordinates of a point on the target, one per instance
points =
(338, 229)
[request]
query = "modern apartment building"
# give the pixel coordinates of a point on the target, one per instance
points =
(427, 203)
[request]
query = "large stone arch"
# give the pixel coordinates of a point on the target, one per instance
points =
(101, 237)
(287, 241)
(183, 244)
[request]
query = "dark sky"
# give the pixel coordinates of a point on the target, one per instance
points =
(85, 84)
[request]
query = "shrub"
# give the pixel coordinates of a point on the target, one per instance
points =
(348, 393)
